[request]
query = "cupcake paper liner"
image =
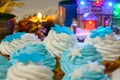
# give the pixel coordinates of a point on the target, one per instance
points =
(58, 73)
(111, 66)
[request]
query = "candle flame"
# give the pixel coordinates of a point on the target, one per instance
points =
(39, 15)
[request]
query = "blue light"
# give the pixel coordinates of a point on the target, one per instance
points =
(82, 2)
(110, 4)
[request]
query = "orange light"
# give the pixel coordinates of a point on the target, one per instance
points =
(97, 2)
(90, 22)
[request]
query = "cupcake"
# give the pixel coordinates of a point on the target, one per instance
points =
(29, 67)
(107, 45)
(4, 65)
(76, 57)
(36, 52)
(16, 41)
(59, 39)
(90, 71)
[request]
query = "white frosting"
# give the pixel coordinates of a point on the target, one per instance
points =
(31, 71)
(29, 37)
(91, 67)
(108, 46)
(9, 47)
(74, 53)
(56, 44)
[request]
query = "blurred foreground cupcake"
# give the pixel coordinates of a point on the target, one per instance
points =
(35, 52)
(16, 41)
(4, 65)
(59, 39)
(109, 47)
(32, 62)
(90, 71)
(30, 67)
(76, 57)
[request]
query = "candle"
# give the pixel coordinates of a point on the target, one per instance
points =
(38, 18)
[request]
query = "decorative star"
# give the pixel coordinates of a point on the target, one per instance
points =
(61, 29)
(34, 57)
(76, 73)
(74, 53)
(94, 66)
(16, 35)
(101, 32)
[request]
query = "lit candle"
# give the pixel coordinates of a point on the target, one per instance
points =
(43, 19)
(36, 18)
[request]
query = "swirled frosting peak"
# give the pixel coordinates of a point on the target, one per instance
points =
(4, 65)
(76, 57)
(59, 41)
(90, 71)
(16, 35)
(108, 46)
(61, 29)
(17, 41)
(30, 71)
(101, 32)
(33, 53)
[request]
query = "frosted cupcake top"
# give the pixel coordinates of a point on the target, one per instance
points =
(105, 43)
(17, 40)
(16, 35)
(90, 71)
(59, 39)
(76, 57)
(31, 71)
(101, 32)
(61, 29)
(35, 53)
(4, 65)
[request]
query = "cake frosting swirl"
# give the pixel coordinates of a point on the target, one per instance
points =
(4, 65)
(30, 71)
(90, 71)
(59, 39)
(17, 40)
(35, 52)
(107, 45)
(76, 57)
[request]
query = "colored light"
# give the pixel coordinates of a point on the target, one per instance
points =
(90, 22)
(116, 11)
(118, 6)
(82, 2)
(98, 2)
(110, 4)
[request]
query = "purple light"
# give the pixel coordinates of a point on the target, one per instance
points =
(110, 4)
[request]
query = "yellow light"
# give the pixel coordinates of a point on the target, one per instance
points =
(90, 22)
(39, 15)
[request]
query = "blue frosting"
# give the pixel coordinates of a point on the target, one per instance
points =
(88, 76)
(4, 65)
(16, 35)
(61, 29)
(24, 58)
(90, 71)
(87, 53)
(101, 32)
(34, 53)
